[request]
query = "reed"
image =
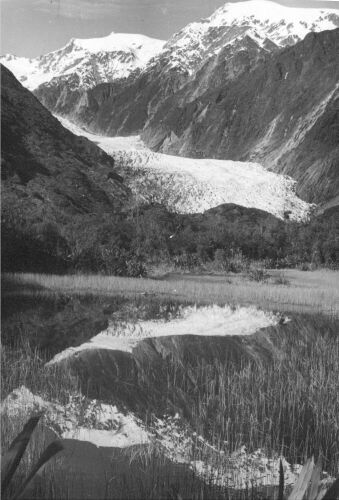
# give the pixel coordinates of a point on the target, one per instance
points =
(307, 291)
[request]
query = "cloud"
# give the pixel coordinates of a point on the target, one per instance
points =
(89, 9)
(73, 8)
(99, 9)
(76, 8)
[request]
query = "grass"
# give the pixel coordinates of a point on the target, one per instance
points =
(308, 291)
(285, 403)
(288, 404)
(139, 472)
(23, 365)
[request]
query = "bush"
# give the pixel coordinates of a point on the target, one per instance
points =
(220, 259)
(135, 268)
(258, 274)
(281, 280)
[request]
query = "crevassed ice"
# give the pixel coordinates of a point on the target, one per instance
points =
(190, 185)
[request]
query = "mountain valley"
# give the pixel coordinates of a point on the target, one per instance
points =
(234, 86)
(169, 257)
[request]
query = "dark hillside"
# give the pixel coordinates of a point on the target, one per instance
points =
(50, 179)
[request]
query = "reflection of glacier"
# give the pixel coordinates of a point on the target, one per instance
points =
(205, 321)
(187, 185)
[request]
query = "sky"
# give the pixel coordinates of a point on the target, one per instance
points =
(34, 27)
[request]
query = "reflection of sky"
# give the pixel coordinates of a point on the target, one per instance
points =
(34, 27)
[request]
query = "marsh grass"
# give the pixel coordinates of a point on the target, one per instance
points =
(23, 365)
(281, 279)
(288, 404)
(313, 291)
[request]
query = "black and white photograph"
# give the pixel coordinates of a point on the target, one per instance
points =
(169, 249)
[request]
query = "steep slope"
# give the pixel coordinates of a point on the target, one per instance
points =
(282, 114)
(115, 56)
(188, 185)
(125, 106)
(235, 37)
(50, 179)
(270, 24)
(88, 61)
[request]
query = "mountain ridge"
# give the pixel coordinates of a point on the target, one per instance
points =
(180, 104)
(283, 114)
(94, 61)
(270, 24)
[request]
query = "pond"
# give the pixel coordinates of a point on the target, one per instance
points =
(207, 390)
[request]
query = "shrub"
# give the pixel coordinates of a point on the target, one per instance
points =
(220, 259)
(135, 268)
(281, 280)
(258, 274)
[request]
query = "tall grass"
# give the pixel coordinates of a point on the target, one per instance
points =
(137, 473)
(286, 404)
(24, 364)
(313, 291)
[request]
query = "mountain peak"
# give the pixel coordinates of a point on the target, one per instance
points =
(267, 10)
(115, 42)
(282, 24)
(270, 24)
(116, 56)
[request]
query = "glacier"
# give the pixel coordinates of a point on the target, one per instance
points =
(190, 185)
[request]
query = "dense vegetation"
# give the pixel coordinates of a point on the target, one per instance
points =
(227, 238)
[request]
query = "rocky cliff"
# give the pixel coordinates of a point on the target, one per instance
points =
(283, 114)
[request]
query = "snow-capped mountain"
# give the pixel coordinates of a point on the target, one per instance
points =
(239, 85)
(230, 42)
(269, 24)
(106, 59)
(283, 114)
(92, 61)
